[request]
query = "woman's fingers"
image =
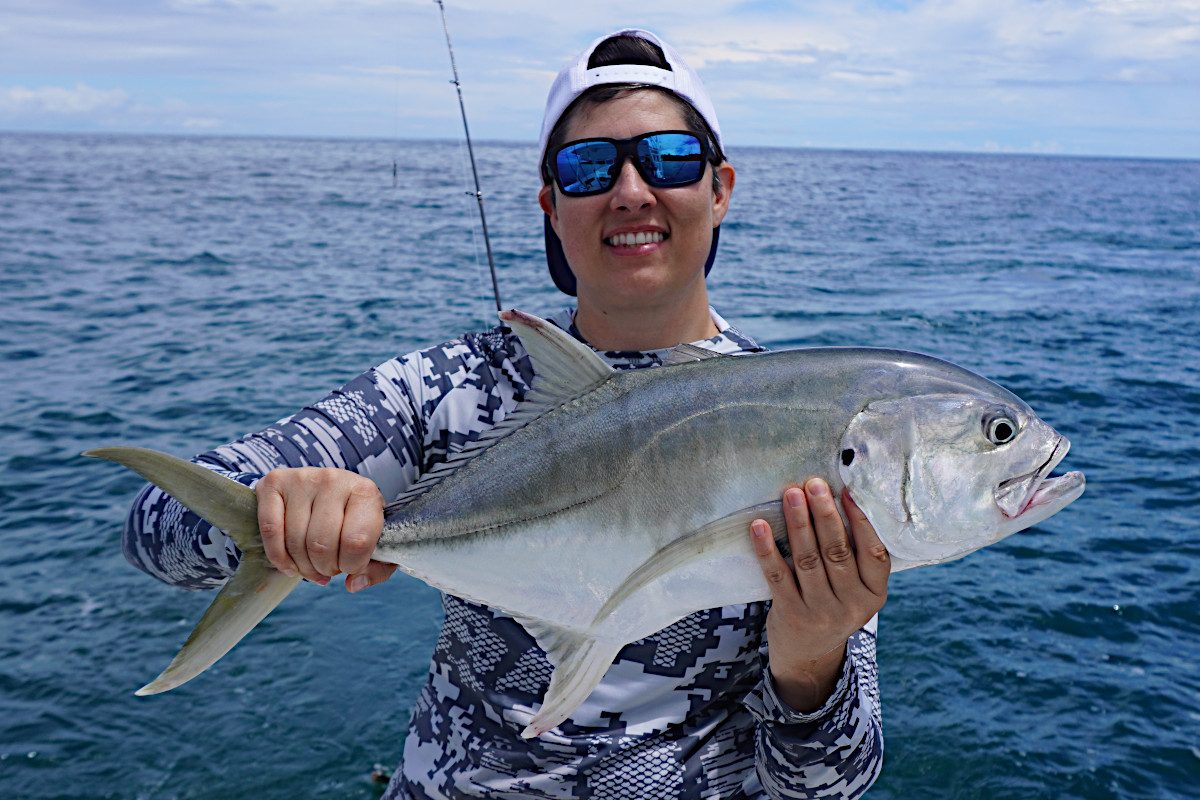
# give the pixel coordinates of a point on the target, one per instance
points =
(319, 522)
(362, 523)
(376, 572)
(857, 571)
(874, 561)
(830, 566)
(271, 526)
(775, 569)
(808, 534)
(837, 553)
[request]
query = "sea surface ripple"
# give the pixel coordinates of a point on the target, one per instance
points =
(176, 293)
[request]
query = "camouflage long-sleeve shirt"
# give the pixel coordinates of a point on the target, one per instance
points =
(689, 712)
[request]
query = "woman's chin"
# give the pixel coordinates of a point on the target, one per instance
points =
(639, 284)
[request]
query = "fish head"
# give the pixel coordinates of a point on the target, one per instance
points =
(942, 475)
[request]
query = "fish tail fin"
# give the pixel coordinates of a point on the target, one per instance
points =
(220, 501)
(254, 590)
(252, 593)
(579, 663)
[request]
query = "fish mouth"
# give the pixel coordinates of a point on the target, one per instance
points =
(1038, 489)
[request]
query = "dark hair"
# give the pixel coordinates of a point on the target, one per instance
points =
(628, 50)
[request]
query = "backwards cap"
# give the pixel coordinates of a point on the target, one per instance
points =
(575, 79)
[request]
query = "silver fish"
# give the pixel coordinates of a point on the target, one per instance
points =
(610, 504)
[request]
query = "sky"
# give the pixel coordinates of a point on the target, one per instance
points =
(1075, 77)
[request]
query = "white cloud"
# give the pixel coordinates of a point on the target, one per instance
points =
(871, 78)
(201, 123)
(1043, 148)
(79, 99)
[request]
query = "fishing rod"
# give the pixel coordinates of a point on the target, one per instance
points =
(474, 172)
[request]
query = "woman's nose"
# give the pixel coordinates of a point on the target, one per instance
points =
(630, 191)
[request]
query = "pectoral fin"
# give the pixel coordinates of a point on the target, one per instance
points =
(732, 530)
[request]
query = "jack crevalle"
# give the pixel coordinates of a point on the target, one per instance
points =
(610, 504)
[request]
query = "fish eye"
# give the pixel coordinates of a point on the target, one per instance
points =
(847, 457)
(1000, 428)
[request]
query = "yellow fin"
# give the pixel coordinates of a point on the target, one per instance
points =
(254, 590)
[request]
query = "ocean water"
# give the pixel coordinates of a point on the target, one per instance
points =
(178, 292)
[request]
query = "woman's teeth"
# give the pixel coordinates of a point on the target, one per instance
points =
(634, 239)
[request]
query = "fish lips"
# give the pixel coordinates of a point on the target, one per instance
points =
(1037, 493)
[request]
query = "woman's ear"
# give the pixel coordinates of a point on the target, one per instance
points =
(546, 201)
(726, 175)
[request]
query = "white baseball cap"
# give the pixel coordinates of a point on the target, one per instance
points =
(575, 79)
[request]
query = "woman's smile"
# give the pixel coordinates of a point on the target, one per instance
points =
(631, 242)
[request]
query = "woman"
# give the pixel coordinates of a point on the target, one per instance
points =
(635, 187)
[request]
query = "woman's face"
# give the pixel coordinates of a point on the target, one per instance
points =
(598, 232)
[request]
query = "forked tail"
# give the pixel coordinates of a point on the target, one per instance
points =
(254, 590)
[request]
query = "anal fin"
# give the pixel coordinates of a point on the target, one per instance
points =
(579, 661)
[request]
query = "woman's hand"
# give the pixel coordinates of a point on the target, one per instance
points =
(317, 522)
(835, 587)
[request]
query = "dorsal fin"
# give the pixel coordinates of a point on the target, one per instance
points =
(563, 370)
(685, 353)
(563, 367)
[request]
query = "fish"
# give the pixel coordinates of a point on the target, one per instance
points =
(609, 504)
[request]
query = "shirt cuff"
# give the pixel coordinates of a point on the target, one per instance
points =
(766, 706)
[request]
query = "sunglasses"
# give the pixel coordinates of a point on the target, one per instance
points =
(663, 158)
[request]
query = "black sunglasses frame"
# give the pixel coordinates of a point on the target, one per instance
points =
(627, 150)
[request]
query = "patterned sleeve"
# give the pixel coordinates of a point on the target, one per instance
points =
(376, 425)
(833, 752)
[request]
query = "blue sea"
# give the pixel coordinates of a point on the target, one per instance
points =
(176, 293)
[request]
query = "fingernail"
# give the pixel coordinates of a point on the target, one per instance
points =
(760, 529)
(794, 497)
(291, 573)
(358, 583)
(817, 488)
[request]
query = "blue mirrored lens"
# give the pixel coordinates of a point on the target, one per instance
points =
(671, 159)
(586, 167)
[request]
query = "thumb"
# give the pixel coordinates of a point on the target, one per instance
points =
(376, 572)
